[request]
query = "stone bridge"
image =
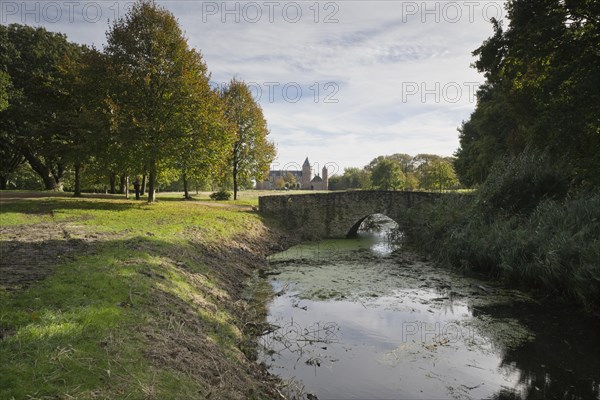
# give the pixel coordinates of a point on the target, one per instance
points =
(337, 214)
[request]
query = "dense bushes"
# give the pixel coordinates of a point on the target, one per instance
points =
(221, 195)
(522, 227)
(517, 184)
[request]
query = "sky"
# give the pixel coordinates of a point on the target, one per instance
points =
(340, 82)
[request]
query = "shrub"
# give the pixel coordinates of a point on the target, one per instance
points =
(522, 228)
(221, 195)
(516, 185)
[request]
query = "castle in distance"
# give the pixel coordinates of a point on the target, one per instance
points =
(304, 179)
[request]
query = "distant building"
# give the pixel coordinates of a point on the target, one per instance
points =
(304, 179)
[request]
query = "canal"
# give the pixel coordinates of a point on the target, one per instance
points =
(366, 318)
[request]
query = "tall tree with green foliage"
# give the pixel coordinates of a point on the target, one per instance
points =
(5, 86)
(85, 123)
(33, 122)
(352, 178)
(251, 153)
(404, 160)
(159, 82)
(204, 149)
(10, 158)
(540, 92)
(438, 175)
(387, 175)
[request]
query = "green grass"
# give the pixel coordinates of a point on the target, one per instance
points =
(245, 197)
(165, 219)
(23, 214)
(82, 332)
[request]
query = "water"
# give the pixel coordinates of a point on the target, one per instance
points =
(364, 319)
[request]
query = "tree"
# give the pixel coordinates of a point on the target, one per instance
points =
(411, 181)
(540, 91)
(158, 83)
(10, 158)
(251, 153)
(438, 174)
(85, 120)
(33, 122)
(290, 180)
(204, 149)
(5, 87)
(10, 161)
(356, 178)
(279, 183)
(387, 175)
(404, 160)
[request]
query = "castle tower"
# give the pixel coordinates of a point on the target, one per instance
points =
(306, 174)
(325, 178)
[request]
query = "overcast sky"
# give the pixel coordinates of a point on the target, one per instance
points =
(339, 81)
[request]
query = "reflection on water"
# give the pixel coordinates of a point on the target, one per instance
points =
(364, 319)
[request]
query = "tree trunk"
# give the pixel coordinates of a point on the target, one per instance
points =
(143, 189)
(122, 180)
(49, 181)
(235, 186)
(77, 180)
(113, 182)
(58, 176)
(10, 165)
(127, 187)
(152, 183)
(43, 170)
(186, 194)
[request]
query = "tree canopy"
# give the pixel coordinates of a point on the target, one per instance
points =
(160, 90)
(39, 102)
(141, 106)
(387, 175)
(540, 91)
(251, 152)
(400, 171)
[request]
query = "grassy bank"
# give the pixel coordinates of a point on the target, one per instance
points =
(524, 226)
(109, 298)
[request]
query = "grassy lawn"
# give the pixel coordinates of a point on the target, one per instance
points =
(245, 197)
(136, 301)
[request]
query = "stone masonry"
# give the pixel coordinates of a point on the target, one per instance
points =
(337, 214)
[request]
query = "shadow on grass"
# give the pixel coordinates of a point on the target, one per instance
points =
(86, 297)
(48, 206)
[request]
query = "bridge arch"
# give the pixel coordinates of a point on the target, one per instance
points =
(335, 214)
(353, 232)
